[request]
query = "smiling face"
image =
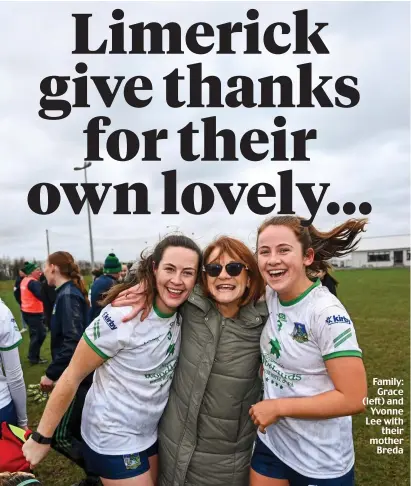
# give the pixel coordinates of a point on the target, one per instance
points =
(281, 261)
(176, 276)
(225, 289)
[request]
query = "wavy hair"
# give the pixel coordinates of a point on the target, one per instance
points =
(337, 242)
(147, 265)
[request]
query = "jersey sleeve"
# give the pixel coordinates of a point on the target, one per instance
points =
(10, 336)
(336, 335)
(106, 334)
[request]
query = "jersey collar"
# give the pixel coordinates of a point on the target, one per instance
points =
(287, 303)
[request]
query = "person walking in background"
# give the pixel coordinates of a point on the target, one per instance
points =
(68, 322)
(17, 296)
(32, 307)
(13, 401)
(111, 274)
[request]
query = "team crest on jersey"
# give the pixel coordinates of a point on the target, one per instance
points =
(132, 461)
(300, 333)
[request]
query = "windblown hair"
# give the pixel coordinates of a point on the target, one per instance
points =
(239, 251)
(337, 242)
(147, 265)
(69, 268)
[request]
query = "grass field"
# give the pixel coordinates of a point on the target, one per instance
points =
(379, 304)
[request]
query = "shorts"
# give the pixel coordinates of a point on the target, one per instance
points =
(119, 467)
(266, 463)
(8, 414)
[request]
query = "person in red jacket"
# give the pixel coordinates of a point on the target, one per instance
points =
(32, 308)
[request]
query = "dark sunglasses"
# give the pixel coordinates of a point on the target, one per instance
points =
(233, 269)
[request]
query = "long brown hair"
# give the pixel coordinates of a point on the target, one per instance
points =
(337, 242)
(147, 265)
(69, 269)
(237, 249)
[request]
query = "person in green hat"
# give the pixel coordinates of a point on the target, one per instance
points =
(111, 273)
(33, 311)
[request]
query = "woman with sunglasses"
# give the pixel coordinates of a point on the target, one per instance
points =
(206, 435)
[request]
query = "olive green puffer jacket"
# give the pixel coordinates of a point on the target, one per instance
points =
(206, 434)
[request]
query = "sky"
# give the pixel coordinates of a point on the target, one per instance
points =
(362, 152)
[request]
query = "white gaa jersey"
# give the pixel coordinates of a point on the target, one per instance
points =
(298, 338)
(130, 390)
(10, 338)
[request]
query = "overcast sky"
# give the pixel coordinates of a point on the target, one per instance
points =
(363, 152)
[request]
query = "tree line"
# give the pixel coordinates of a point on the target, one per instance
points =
(9, 267)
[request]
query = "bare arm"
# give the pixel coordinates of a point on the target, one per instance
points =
(84, 361)
(15, 382)
(349, 378)
(350, 382)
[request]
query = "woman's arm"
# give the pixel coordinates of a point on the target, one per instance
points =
(15, 382)
(349, 378)
(334, 333)
(136, 297)
(84, 361)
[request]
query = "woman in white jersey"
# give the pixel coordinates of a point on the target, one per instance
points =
(314, 377)
(12, 387)
(134, 368)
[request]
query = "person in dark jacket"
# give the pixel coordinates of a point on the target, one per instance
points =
(48, 294)
(68, 322)
(32, 308)
(328, 281)
(17, 296)
(111, 274)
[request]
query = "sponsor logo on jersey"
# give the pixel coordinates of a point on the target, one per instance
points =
(337, 320)
(275, 375)
(300, 333)
(109, 321)
(132, 461)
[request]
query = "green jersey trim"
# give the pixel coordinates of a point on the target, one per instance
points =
(287, 303)
(12, 347)
(94, 347)
(162, 314)
(342, 354)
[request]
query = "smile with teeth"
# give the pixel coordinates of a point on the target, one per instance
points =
(174, 291)
(276, 273)
(225, 287)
